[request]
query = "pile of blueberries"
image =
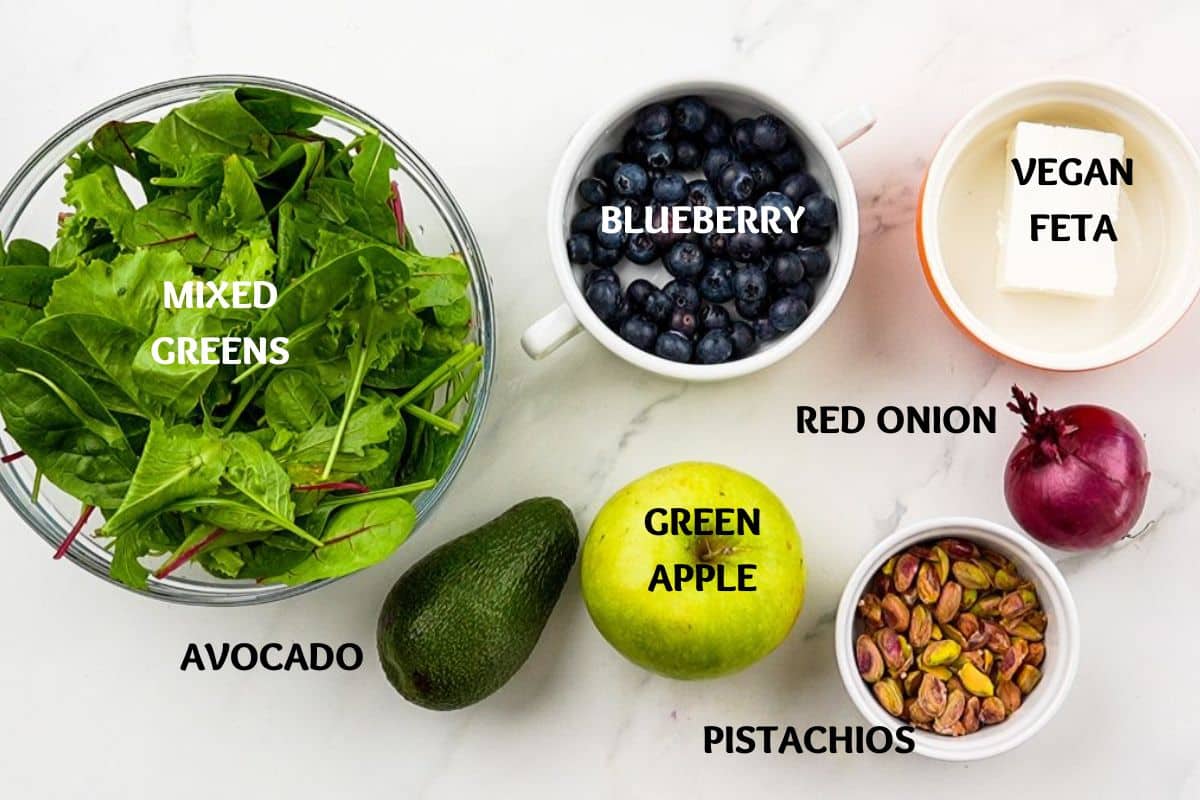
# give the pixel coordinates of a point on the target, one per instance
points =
(730, 291)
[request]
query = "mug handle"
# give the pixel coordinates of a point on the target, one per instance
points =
(850, 124)
(550, 332)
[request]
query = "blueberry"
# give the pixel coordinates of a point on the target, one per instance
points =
(654, 173)
(743, 137)
(735, 182)
(606, 165)
(770, 134)
(684, 260)
(620, 315)
(717, 130)
(790, 160)
(750, 310)
(804, 290)
(674, 346)
(764, 331)
(715, 160)
(664, 239)
(750, 284)
(684, 321)
(765, 176)
(635, 208)
(714, 243)
(815, 260)
(746, 246)
(798, 186)
(630, 180)
(811, 234)
(713, 317)
(787, 268)
(658, 306)
(612, 240)
(670, 189)
(604, 297)
(787, 313)
(579, 248)
(716, 284)
(683, 294)
(700, 193)
(639, 332)
(691, 114)
(586, 221)
(659, 155)
(653, 121)
(640, 248)
(786, 240)
(605, 257)
(714, 347)
(742, 336)
(633, 147)
(593, 191)
(638, 291)
(781, 203)
(601, 275)
(687, 154)
(819, 210)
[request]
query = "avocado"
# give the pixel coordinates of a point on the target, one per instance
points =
(460, 623)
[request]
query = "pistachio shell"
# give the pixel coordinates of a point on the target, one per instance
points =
(887, 692)
(974, 681)
(948, 603)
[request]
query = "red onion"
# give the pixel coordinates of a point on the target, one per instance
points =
(1077, 480)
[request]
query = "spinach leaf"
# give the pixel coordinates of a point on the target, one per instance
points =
(356, 537)
(213, 125)
(101, 350)
(59, 421)
(294, 402)
(370, 424)
(24, 292)
(256, 487)
(128, 291)
(22, 252)
(372, 170)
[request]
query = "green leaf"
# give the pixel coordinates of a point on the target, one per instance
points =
(436, 281)
(24, 292)
(372, 170)
(23, 252)
(100, 349)
(128, 291)
(356, 537)
(256, 486)
(98, 196)
(371, 424)
(213, 125)
(178, 386)
(115, 143)
(294, 402)
(59, 421)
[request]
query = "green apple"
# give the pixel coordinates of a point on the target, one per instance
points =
(651, 582)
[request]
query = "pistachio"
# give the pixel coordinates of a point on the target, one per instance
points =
(958, 549)
(956, 704)
(986, 606)
(932, 695)
(997, 560)
(1013, 658)
(942, 673)
(949, 602)
(936, 633)
(976, 657)
(1028, 677)
(971, 575)
(975, 681)
(939, 654)
(890, 648)
(1037, 619)
(1009, 694)
(1027, 631)
(871, 610)
(970, 717)
(916, 714)
(921, 552)
(1013, 605)
(889, 567)
(929, 587)
(954, 684)
(870, 660)
(905, 572)
(991, 711)
(1005, 580)
(920, 627)
(969, 597)
(998, 639)
(953, 634)
(943, 564)
(887, 692)
(968, 623)
(911, 682)
(1037, 654)
(895, 613)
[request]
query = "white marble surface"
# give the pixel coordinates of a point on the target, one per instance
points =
(92, 703)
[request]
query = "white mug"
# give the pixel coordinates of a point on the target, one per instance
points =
(602, 133)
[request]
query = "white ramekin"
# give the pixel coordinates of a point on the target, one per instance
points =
(602, 133)
(1062, 637)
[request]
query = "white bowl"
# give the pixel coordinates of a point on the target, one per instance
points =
(1160, 220)
(1061, 637)
(602, 133)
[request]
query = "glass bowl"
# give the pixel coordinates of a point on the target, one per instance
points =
(29, 205)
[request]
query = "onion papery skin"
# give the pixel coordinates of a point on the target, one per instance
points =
(1083, 488)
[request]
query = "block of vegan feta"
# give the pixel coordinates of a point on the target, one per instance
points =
(1057, 230)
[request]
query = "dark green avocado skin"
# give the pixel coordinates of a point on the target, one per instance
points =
(461, 622)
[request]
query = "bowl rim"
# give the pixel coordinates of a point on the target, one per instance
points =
(191, 592)
(843, 259)
(1057, 682)
(950, 149)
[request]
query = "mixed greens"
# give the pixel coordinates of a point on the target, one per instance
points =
(285, 473)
